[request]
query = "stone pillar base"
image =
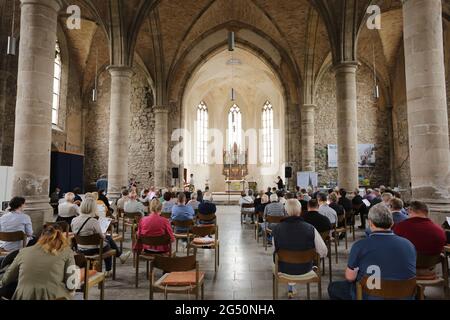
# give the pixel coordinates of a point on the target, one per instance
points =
(439, 210)
(40, 212)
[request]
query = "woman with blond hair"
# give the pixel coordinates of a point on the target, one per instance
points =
(153, 226)
(44, 270)
(86, 224)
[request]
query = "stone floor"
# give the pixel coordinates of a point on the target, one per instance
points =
(245, 270)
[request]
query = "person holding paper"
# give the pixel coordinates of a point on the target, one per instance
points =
(86, 225)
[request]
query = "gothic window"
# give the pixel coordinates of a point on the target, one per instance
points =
(234, 127)
(56, 84)
(202, 133)
(267, 134)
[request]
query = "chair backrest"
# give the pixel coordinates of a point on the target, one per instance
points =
(80, 260)
(349, 214)
(120, 212)
(426, 262)
(92, 240)
(325, 235)
(175, 264)
(183, 223)
(274, 219)
(155, 241)
(136, 216)
(206, 217)
(61, 225)
(166, 215)
(248, 205)
(196, 211)
(341, 220)
(296, 257)
(203, 231)
(388, 289)
(14, 236)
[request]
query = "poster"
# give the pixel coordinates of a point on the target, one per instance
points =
(366, 155)
(307, 179)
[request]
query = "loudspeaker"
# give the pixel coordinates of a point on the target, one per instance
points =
(175, 174)
(288, 172)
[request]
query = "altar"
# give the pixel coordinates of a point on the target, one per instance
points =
(235, 169)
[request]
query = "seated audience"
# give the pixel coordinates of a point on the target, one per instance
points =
(274, 208)
(124, 199)
(325, 210)
(314, 218)
(294, 234)
(102, 197)
(144, 195)
(257, 200)
(102, 209)
(303, 202)
(305, 194)
(207, 207)
(386, 198)
(16, 220)
(68, 210)
(333, 204)
(261, 205)
(344, 201)
(360, 209)
(269, 192)
(193, 202)
(396, 206)
(281, 197)
(428, 237)
(168, 202)
(77, 199)
(393, 255)
(153, 226)
(134, 206)
(43, 270)
(376, 197)
(247, 199)
(86, 225)
(200, 194)
(182, 212)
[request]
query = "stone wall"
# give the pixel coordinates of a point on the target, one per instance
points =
(141, 138)
(372, 127)
(8, 116)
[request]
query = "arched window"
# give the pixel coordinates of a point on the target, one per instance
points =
(267, 133)
(56, 84)
(234, 126)
(202, 133)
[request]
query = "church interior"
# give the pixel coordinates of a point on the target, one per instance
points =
(223, 103)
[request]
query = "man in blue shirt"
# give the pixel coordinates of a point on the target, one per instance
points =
(396, 206)
(393, 256)
(182, 212)
(102, 183)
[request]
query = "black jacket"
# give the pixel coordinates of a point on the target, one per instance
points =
(318, 221)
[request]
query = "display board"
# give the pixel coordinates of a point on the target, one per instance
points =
(366, 155)
(307, 179)
(6, 181)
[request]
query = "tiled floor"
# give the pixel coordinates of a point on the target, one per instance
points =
(245, 270)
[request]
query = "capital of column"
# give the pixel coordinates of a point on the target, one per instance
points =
(161, 109)
(346, 67)
(120, 71)
(54, 4)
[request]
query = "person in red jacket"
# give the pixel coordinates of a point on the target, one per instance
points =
(153, 226)
(428, 237)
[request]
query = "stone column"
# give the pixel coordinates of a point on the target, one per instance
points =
(427, 103)
(347, 130)
(308, 141)
(3, 77)
(33, 128)
(119, 123)
(161, 145)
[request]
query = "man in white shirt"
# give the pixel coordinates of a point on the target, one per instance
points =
(68, 209)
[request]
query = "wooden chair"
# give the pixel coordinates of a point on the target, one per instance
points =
(62, 225)
(166, 215)
(245, 213)
(181, 265)
(90, 280)
(267, 231)
(97, 240)
(258, 215)
(327, 239)
(203, 231)
(350, 222)
(208, 219)
(297, 257)
(430, 262)
(187, 224)
(342, 222)
(390, 289)
(149, 256)
(12, 237)
(130, 219)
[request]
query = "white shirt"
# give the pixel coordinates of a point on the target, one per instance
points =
(321, 247)
(13, 222)
(67, 210)
(328, 212)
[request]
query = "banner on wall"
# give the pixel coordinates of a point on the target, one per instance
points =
(307, 179)
(366, 155)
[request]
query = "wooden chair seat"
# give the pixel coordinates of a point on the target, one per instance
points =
(180, 235)
(213, 244)
(117, 237)
(389, 289)
(177, 288)
(438, 281)
(311, 276)
(107, 254)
